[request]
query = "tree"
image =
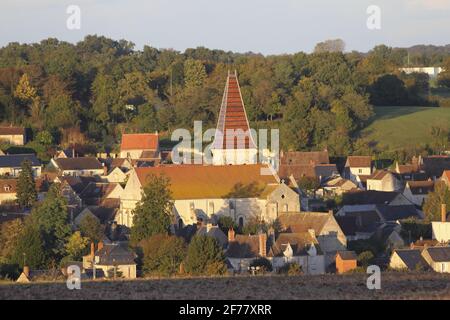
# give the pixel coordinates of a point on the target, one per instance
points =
(444, 76)
(226, 223)
(91, 228)
(205, 257)
(26, 186)
(434, 200)
(24, 91)
(76, 245)
(52, 219)
(163, 254)
(194, 73)
(335, 45)
(262, 264)
(30, 250)
(153, 213)
(10, 233)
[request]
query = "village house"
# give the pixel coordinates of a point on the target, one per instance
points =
(11, 164)
(323, 225)
(363, 221)
(441, 229)
(407, 259)
(301, 248)
(337, 186)
(417, 191)
(345, 261)
(410, 171)
(434, 166)
(104, 212)
(315, 164)
(96, 192)
(383, 180)
(358, 169)
(114, 260)
(142, 146)
(213, 231)
(12, 135)
(115, 175)
(438, 258)
(208, 192)
(8, 190)
(84, 166)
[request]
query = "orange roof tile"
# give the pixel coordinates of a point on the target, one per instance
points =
(139, 141)
(211, 182)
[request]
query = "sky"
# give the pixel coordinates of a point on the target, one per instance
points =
(262, 26)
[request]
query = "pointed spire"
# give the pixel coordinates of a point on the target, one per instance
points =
(232, 116)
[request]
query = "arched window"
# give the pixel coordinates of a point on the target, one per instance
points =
(241, 222)
(211, 207)
(285, 208)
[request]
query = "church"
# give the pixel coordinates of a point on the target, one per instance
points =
(233, 141)
(235, 185)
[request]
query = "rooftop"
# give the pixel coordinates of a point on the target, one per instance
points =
(139, 141)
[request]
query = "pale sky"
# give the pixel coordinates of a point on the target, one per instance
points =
(264, 26)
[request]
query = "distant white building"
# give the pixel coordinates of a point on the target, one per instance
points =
(431, 71)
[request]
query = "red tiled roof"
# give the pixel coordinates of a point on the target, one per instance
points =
(139, 141)
(11, 131)
(232, 117)
(359, 161)
(304, 158)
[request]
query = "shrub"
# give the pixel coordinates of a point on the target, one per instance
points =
(365, 258)
(291, 269)
(162, 254)
(204, 254)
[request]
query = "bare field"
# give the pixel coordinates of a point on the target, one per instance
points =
(394, 285)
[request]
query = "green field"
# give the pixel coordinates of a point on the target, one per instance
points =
(394, 128)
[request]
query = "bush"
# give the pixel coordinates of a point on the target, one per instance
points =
(162, 254)
(365, 258)
(263, 264)
(204, 257)
(291, 269)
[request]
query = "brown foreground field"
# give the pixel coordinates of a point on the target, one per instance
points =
(394, 285)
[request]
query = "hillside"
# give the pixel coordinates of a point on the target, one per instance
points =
(394, 285)
(397, 127)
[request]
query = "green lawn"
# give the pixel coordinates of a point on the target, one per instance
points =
(397, 127)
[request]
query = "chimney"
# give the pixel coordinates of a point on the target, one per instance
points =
(330, 212)
(312, 232)
(26, 271)
(262, 244)
(443, 212)
(92, 250)
(100, 246)
(208, 226)
(105, 169)
(231, 234)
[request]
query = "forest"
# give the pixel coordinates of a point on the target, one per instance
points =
(88, 93)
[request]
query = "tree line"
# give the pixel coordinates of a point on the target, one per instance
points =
(90, 92)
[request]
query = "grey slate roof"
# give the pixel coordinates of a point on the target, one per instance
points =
(84, 163)
(15, 160)
(439, 254)
(115, 254)
(412, 258)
